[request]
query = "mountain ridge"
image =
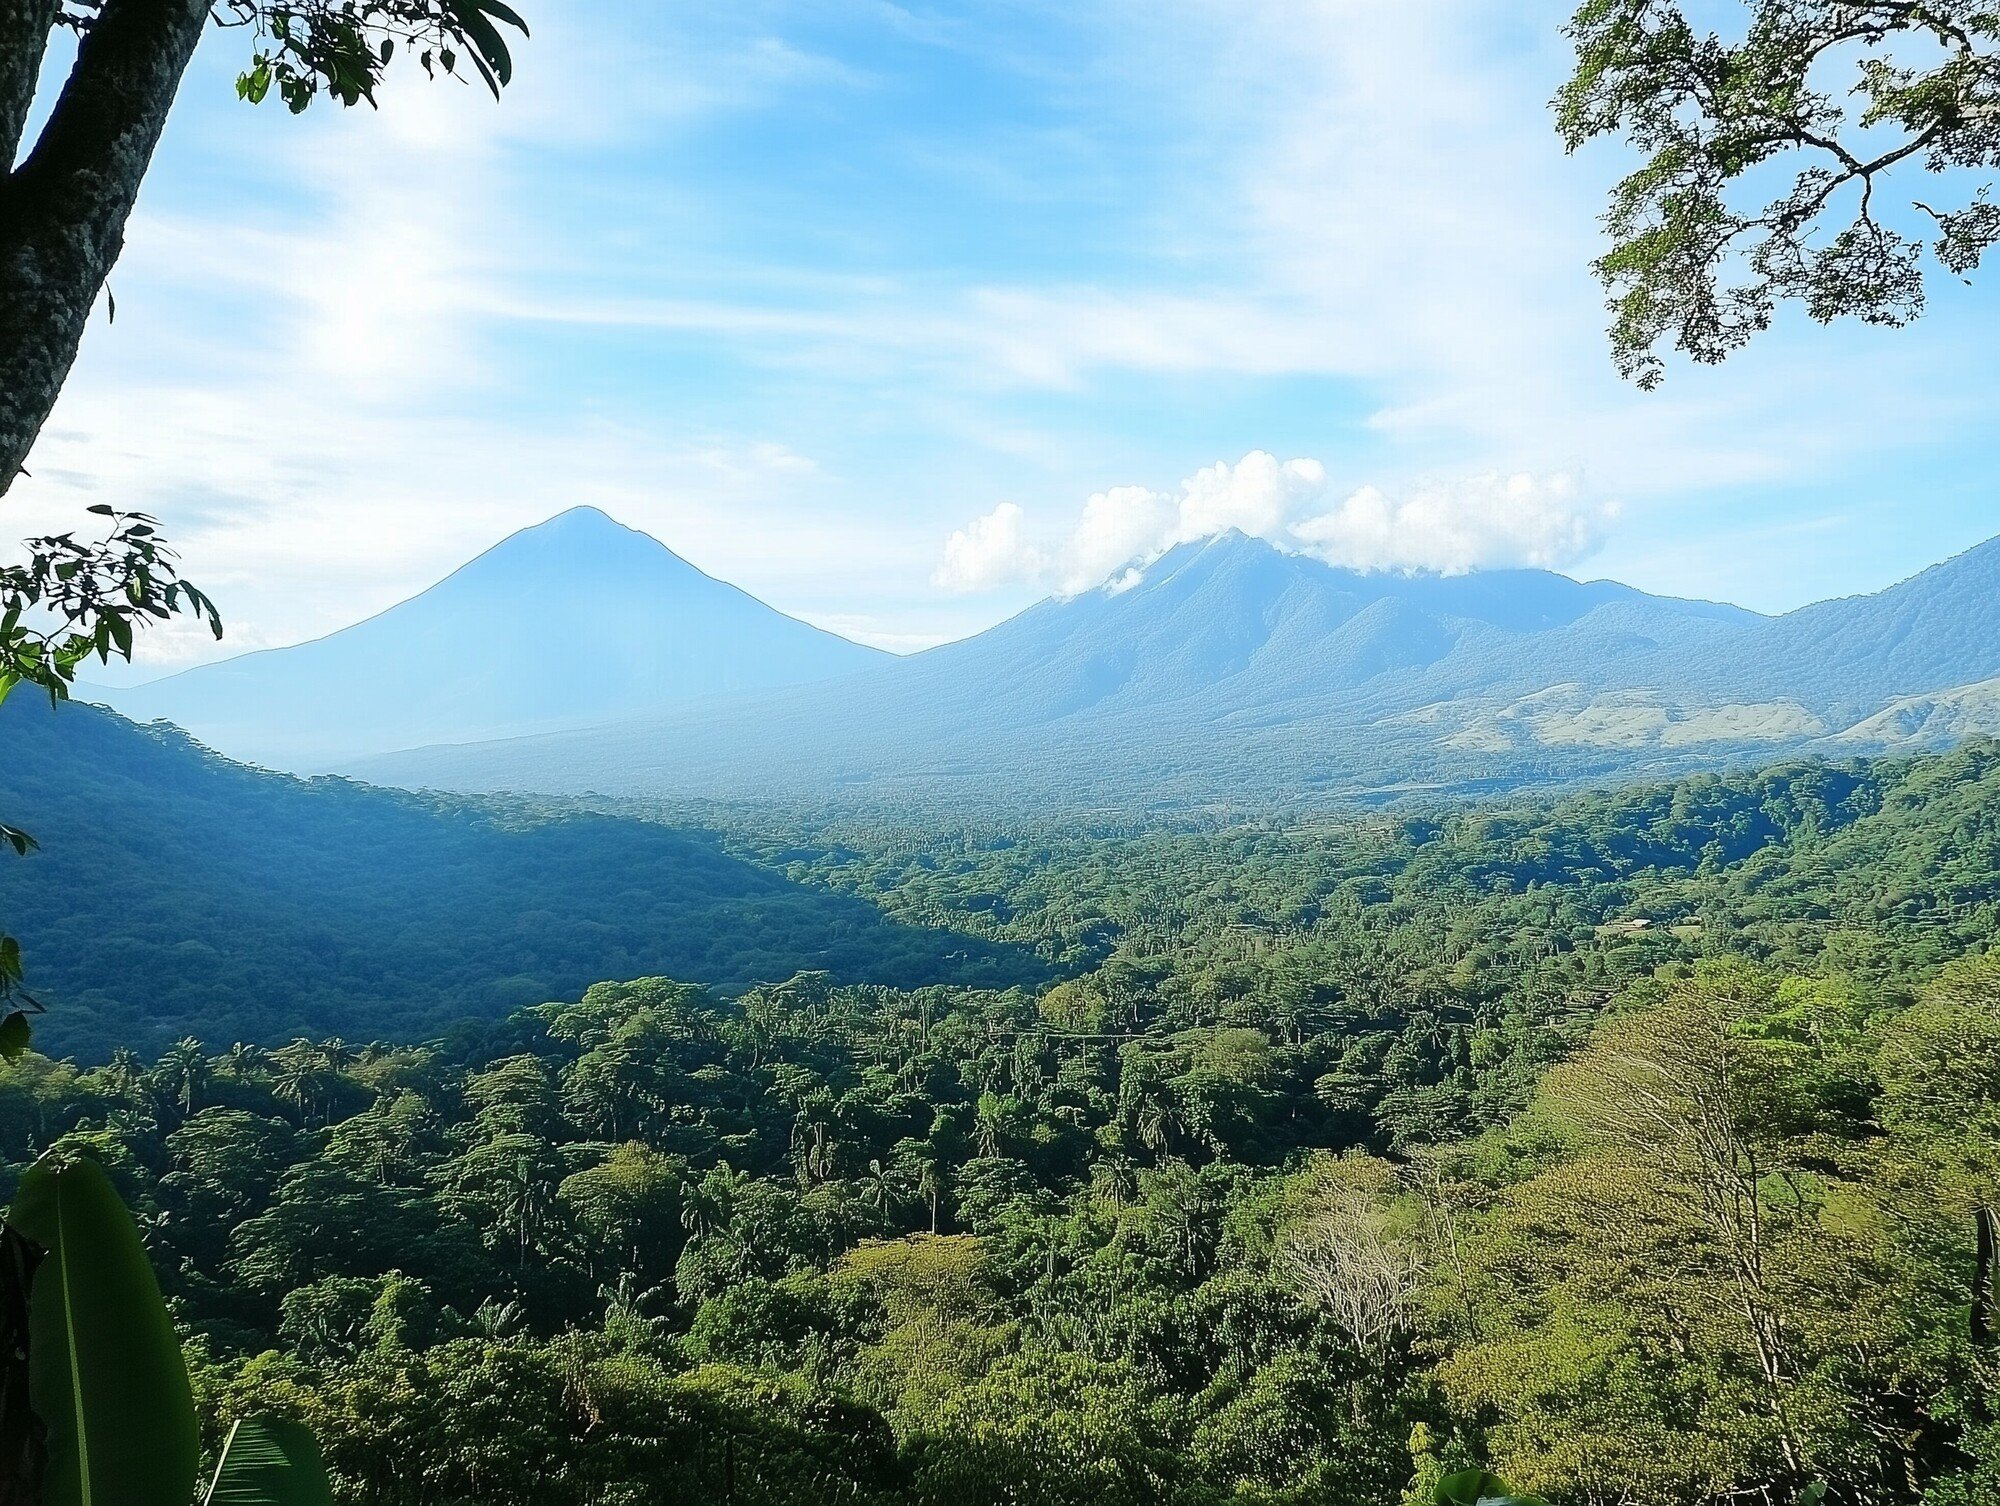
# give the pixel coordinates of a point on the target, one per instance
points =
(1223, 666)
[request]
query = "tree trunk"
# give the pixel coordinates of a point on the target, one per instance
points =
(1985, 1230)
(63, 210)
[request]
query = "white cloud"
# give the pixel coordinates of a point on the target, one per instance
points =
(990, 551)
(1259, 495)
(1476, 522)
(1117, 527)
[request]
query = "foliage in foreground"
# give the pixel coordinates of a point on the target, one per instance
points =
(660, 1246)
(1771, 157)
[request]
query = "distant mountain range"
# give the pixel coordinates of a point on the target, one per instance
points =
(581, 656)
(577, 621)
(1233, 670)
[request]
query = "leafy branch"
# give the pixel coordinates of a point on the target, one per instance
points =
(1694, 267)
(343, 48)
(75, 599)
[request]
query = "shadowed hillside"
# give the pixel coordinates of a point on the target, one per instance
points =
(178, 893)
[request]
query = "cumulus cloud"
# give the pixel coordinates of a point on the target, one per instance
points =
(1477, 522)
(1258, 495)
(990, 551)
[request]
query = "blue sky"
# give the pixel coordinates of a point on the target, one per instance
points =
(901, 317)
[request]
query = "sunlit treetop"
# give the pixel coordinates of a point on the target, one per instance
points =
(1769, 160)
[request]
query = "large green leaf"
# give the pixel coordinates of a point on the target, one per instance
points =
(105, 1370)
(1475, 1487)
(269, 1461)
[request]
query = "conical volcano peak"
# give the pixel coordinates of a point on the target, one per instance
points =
(583, 532)
(583, 519)
(574, 621)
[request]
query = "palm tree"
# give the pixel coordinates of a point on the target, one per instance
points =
(299, 1078)
(708, 1205)
(623, 1298)
(495, 1320)
(126, 1073)
(527, 1206)
(878, 1188)
(931, 1185)
(183, 1074)
(1159, 1119)
(241, 1062)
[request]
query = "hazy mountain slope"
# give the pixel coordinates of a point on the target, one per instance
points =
(1846, 658)
(178, 893)
(1229, 667)
(577, 621)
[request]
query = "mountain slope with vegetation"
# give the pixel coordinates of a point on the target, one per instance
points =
(576, 621)
(177, 893)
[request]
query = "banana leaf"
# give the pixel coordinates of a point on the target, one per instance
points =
(105, 1372)
(269, 1461)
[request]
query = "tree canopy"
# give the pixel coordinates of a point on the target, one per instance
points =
(1774, 161)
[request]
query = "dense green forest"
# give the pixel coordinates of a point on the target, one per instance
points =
(1630, 1142)
(177, 893)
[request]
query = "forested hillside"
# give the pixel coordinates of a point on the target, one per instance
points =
(1891, 864)
(177, 893)
(1630, 1143)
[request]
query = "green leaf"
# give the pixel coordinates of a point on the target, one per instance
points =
(504, 13)
(269, 1461)
(105, 1375)
(1475, 1487)
(488, 47)
(15, 1035)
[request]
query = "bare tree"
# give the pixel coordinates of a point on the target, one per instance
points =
(1345, 1257)
(1670, 1087)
